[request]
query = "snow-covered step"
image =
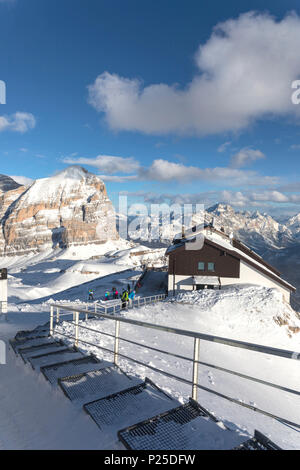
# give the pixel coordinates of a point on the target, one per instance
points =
(41, 330)
(126, 407)
(23, 343)
(38, 350)
(73, 367)
(258, 442)
(187, 427)
(84, 388)
(55, 357)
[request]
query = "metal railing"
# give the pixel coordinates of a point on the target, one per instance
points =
(114, 306)
(197, 337)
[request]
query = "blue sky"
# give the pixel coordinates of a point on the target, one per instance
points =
(155, 99)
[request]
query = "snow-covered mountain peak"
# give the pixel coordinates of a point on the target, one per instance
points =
(57, 211)
(294, 224)
(76, 172)
(221, 208)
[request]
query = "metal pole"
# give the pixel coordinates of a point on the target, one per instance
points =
(117, 334)
(51, 321)
(86, 315)
(195, 368)
(57, 315)
(76, 328)
(95, 308)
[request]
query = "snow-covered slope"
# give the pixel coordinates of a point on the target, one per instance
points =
(56, 271)
(246, 313)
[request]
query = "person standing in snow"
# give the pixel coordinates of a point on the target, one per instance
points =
(106, 295)
(91, 294)
(131, 297)
(116, 293)
(124, 298)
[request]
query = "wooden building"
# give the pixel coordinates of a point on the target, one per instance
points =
(218, 261)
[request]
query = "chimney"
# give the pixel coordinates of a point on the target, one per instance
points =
(183, 232)
(223, 229)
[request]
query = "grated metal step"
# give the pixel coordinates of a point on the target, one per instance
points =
(84, 388)
(187, 427)
(55, 357)
(37, 350)
(41, 330)
(123, 408)
(72, 367)
(258, 442)
(37, 341)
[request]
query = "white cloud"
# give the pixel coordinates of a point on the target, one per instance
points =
(224, 146)
(245, 157)
(19, 122)
(163, 170)
(246, 69)
(24, 180)
(235, 198)
(123, 169)
(118, 178)
(107, 163)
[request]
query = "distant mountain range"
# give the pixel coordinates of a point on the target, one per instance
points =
(67, 208)
(278, 243)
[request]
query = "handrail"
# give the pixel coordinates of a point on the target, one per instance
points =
(211, 338)
(195, 360)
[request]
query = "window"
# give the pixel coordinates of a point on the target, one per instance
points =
(201, 266)
(211, 266)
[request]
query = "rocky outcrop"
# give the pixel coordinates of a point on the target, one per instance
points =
(7, 183)
(71, 207)
(6, 201)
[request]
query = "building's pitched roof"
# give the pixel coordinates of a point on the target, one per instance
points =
(236, 249)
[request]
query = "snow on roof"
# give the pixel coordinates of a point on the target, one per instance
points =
(223, 240)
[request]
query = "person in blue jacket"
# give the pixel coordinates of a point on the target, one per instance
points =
(131, 296)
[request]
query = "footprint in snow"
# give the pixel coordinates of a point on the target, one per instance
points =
(211, 378)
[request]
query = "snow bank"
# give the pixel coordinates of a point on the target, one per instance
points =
(247, 312)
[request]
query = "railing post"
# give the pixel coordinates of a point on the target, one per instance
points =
(95, 308)
(86, 315)
(117, 333)
(195, 368)
(51, 320)
(76, 328)
(57, 315)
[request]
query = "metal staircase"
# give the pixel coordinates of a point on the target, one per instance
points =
(147, 418)
(121, 408)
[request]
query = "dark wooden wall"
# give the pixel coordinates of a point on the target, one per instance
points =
(185, 262)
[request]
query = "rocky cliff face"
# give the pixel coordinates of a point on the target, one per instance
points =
(69, 208)
(7, 183)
